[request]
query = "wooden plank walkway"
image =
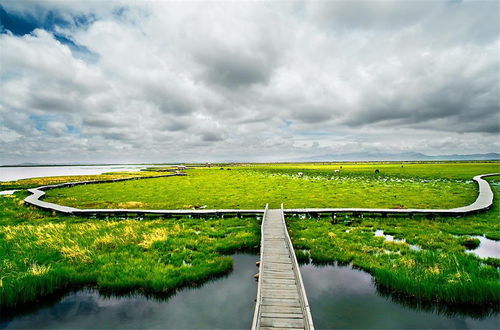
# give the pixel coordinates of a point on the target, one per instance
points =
(39, 192)
(484, 201)
(281, 299)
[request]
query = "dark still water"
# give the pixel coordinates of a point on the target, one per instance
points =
(227, 302)
(346, 298)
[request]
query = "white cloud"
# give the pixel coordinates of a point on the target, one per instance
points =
(168, 81)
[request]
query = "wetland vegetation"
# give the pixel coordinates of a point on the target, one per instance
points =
(251, 187)
(42, 253)
(426, 260)
(190, 308)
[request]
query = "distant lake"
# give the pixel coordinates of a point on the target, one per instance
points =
(25, 172)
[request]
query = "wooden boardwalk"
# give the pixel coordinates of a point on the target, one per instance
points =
(484, 201)
(281, 299)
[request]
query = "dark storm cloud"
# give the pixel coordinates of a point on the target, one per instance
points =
(235, 70)
(175, 125)
(211, 137)
(99, 122)
(52, 103)
(312, 114)
(461, 104)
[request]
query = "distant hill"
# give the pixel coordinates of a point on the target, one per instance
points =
(416, 156)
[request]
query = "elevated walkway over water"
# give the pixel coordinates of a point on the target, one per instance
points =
(281, 298)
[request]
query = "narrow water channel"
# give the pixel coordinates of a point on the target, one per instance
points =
(346, 298)
(227, 302)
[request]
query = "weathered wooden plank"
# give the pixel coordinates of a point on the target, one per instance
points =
(279, 299)
(280, 294)
(277, 259)
(274, 328)
(278, 267)
(280, 302)
(284, 315)
(282, 323)
(277, 286)
(273, 281)
(285, 273)
(281, 309)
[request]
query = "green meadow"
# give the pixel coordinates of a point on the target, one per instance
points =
(427, 260)
(43, 253)
(251, 187)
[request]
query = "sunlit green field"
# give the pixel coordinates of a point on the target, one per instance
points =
(42, 253)
(251, 187)
(428, 259)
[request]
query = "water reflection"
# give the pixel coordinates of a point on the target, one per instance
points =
(226, 302)
(343, 297)
(7, 192)
(390, 238)
(488, 248)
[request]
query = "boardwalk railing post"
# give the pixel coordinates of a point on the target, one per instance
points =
(308, 322)
(258, 301)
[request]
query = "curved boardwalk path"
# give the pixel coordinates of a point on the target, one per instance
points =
(281, 298)
(484, 201)
(39, 192)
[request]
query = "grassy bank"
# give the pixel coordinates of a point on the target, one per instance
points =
(251, 187)
(429, 261)
(41, 253)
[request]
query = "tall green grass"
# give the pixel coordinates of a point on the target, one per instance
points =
(441, 271)
(48, 254)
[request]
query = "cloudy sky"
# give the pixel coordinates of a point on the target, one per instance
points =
(130, 81)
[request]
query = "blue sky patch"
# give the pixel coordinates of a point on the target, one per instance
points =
(40, 121)
(20, 25)
(73, 130)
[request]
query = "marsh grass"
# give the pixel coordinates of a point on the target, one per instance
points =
(251, 187)
(441, 271)
(41, 254)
